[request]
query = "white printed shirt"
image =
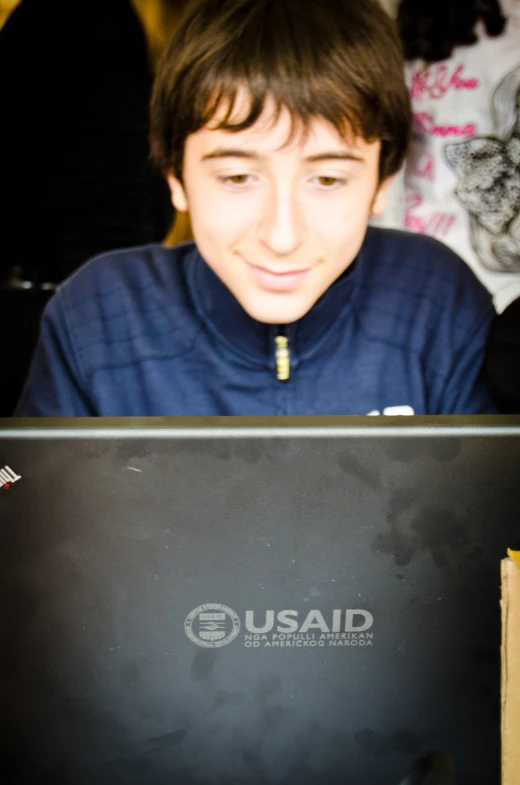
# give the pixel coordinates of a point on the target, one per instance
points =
(462, 177)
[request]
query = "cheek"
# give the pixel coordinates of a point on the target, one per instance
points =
(218, 216)
(340, 223)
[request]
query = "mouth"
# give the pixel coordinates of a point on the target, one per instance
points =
(277, 280)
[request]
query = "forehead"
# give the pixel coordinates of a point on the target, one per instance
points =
(275, 133)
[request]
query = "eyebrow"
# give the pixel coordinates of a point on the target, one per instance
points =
(335, 155)
(329, 155)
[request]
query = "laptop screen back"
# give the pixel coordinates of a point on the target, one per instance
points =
(253, 602)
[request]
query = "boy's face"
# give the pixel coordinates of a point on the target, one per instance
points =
(279, 222)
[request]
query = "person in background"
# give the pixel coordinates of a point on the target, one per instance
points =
(462, 176)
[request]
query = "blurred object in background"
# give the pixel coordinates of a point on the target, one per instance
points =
(432, 29)
(76, 175)
(6, 7)
(390, 6)
(462, 179)
(20, 312)
(77, 178)
(395, 214)
(503, 359)
(160, 19)
(181, 231)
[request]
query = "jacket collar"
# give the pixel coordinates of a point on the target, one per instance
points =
(253, 341)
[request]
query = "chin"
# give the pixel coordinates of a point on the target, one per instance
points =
(276, 313)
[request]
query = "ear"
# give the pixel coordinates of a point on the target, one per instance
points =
(381, 198)
(178, 194)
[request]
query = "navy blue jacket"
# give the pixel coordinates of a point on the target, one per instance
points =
(152, 331)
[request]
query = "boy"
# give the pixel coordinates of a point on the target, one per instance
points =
(278, 124)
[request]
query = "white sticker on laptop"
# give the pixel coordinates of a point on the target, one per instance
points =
(8, 477)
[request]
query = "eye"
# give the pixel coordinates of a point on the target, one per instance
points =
(236, 179)
(329, 183)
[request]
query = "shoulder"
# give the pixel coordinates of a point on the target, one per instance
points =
(414, 259)
(126, 303)
(415, 289)
(116, 280)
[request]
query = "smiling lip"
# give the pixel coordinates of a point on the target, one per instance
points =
(277, 281)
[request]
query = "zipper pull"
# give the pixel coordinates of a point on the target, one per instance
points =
(282, 356)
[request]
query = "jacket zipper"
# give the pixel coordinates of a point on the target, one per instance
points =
(282, 355)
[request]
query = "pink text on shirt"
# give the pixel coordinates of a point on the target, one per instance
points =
(427, 124)
(435, 82)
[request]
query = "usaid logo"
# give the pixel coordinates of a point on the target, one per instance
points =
(8, 477)
(214, 625)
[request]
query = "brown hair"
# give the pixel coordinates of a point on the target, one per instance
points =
(337, 59)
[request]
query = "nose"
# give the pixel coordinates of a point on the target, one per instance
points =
(281, 229)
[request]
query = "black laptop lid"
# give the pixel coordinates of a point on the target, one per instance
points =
(239, 602)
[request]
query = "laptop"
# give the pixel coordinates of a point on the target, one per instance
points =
(237, 601)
